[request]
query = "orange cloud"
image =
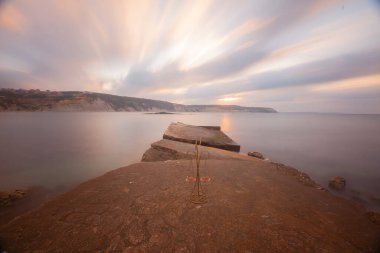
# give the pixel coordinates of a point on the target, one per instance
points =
(349, 84)
(12, 19)
(228, 99)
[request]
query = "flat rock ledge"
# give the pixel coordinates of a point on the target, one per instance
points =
(145, 208)
(211, 136)
(174, 150)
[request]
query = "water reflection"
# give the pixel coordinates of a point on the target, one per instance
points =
(58, 149)
(225, 122)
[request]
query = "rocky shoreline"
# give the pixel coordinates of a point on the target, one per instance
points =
(253, 205)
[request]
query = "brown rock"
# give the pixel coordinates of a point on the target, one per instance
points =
(164, 150)
(211, 136)
(337, 183)
(7, 198)
(374, 217)
(251, 208)
(256, 154)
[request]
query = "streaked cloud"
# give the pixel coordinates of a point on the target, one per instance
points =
(372, 81)
(11, 19)
(281, 54)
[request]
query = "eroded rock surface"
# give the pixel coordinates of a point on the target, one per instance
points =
(210, 136)
(145, 208)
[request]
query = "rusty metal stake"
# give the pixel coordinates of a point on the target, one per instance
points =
(197, 195)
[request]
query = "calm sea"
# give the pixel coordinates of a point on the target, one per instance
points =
(56, 150)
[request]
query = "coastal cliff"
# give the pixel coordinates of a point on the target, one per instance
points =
(36, 100)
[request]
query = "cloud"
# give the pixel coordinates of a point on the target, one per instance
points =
(339, 68)
(357, 83)
(193, 50)
(12, 19)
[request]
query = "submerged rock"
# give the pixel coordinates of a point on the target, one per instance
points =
(256, 154)
(337, 183)
(160, 113)
(374, 217)
(7, 198)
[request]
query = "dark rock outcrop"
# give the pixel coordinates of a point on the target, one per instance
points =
(337, 183)
(7, 198)
(256, 154)
(374, 217)
(159, 113)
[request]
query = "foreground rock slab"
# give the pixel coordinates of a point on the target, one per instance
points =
(253, 206)
(210, 136)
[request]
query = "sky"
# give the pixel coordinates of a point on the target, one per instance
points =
(291, 55)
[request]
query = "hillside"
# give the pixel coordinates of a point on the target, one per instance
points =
(36, 100)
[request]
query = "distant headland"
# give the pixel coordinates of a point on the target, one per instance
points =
(79, 101)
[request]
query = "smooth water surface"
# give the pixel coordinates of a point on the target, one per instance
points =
(59, 149)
